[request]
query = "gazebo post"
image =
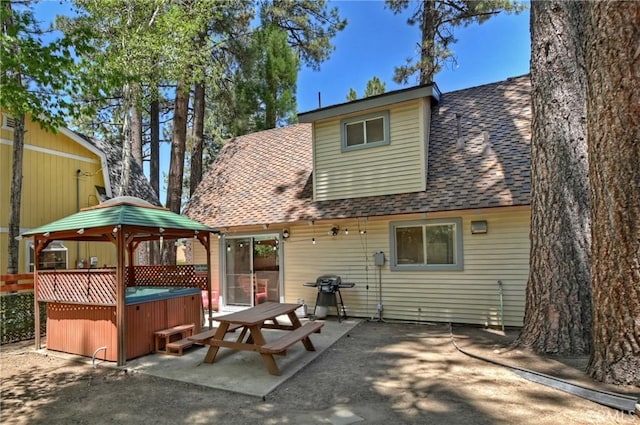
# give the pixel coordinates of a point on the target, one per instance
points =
(207, 248)
(36, 306)
(120, 298)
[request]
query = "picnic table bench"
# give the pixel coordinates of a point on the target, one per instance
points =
(280, 345)
(177, 347)
(253, 321)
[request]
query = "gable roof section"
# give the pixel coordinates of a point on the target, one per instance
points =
(370, 102)
(258, 178)
(265, 177)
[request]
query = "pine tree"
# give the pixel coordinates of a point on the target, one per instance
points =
(558, 297)
(437, 20)
(613, 121)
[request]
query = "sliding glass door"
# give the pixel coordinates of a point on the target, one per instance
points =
(251, 270)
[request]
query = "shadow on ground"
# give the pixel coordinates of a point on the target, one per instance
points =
(378, 373)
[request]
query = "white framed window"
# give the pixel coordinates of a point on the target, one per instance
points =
(427, 245)
(365, 131)
(55, 256)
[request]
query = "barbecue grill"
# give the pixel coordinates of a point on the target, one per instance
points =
(329, 293)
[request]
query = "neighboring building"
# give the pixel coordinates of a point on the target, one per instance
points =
(62, 173)
(439, 183)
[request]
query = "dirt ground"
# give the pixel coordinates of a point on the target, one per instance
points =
(380, 373)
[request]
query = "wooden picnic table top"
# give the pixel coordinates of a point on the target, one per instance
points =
(258, 314)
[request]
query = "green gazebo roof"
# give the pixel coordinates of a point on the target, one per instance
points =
(122, 211)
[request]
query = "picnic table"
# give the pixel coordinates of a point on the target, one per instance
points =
(252, 321)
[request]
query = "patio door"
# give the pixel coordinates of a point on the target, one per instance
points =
(251, 270)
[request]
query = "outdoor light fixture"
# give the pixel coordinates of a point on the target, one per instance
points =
(313, 241)
(115, 230)
(81, 231)
(219, 235)
(46, 234)
(285, 233)
(478, 227)
(334, 231)
(161, 230)
(228, 247)
(18, 238)
(346, 231)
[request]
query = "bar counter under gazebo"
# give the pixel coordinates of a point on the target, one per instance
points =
(119, 308)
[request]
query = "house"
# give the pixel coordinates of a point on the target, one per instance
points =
(439, 184)
(62, 173)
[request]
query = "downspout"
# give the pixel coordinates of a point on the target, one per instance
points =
(500, 290)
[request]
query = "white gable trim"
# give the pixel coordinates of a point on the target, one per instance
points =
(103, 158)
(51, 152)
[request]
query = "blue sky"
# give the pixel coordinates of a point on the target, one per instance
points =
(375, 41)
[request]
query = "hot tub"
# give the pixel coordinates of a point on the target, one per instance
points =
(78, 327)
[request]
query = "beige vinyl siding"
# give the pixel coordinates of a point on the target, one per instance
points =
(468, 296)
(395, 168)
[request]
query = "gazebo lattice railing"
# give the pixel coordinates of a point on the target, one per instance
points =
(98, 286)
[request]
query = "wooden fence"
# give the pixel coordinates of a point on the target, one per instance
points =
(16, 282)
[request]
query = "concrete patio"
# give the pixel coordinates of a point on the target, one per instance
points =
(240, 371)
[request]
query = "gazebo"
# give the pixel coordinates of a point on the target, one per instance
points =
(125, 222)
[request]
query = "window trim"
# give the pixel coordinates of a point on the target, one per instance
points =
(364, 118)
(458, 240)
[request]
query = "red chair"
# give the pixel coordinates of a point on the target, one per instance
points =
(214, 299)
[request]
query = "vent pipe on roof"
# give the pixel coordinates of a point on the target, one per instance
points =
(319, 100)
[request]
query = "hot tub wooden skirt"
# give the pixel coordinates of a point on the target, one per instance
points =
(81, 329)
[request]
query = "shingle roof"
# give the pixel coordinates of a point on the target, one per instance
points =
(139, 186)
(265, 177)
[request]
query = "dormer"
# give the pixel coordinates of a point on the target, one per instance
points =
(372, 146)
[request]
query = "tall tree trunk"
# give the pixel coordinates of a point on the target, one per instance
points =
(195, 176)
(125, 174)
(427, 49)
(176, 165)
(558, 317)
(613, 66)
(15, 201)
(13, 260)
(154, 166)
(136, 134)
(154, 163)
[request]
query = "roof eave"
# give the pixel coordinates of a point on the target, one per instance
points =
(426, 90)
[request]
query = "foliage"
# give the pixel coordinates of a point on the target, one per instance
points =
(266, 85)
(17, 316)
(374, 87)
(37, 75)
(353, 95)
(437, 20)
(310, 25)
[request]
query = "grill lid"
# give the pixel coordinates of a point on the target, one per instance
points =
(329, 279)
